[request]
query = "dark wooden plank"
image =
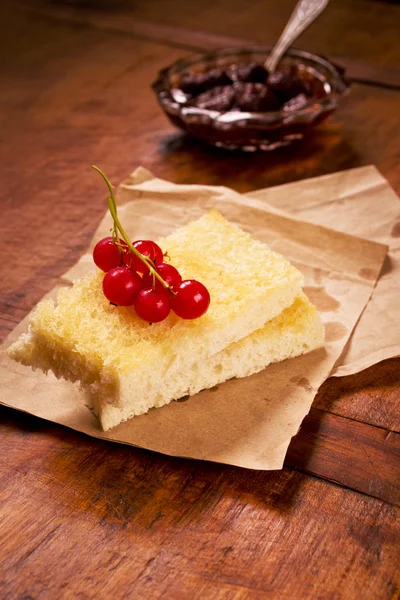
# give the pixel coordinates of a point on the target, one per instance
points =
(362, 30)
(369, 73)
(371, 396)
(119, 521)
(161, 21)
(348, 452)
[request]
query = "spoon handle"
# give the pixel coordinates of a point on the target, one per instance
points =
(305, 12)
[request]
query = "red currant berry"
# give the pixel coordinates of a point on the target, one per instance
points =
(121, 285)
(146, 249)
(158, 253)
(168, 273)
(152, 306)
(106, 254)
(192, 299)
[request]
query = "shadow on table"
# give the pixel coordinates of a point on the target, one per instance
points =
(378, 385)
(325, 151)
(348, 438)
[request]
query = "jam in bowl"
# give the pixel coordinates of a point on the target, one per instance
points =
(228, 99)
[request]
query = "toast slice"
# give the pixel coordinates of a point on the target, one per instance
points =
(84, 339)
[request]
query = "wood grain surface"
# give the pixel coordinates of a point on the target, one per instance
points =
(91, 519)
(81, 518)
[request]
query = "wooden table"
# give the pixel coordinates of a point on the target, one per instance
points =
(81, 518)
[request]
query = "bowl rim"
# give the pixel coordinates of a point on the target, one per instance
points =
(341, 85)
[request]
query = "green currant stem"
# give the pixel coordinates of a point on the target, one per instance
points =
(112, 205)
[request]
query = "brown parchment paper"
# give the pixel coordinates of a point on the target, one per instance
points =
(246, 422)
(360, 202)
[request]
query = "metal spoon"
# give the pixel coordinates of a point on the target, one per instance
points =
(305, 12)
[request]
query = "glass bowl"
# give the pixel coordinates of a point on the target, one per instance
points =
(250, 131)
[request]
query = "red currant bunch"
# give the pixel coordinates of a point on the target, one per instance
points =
(136, 275)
